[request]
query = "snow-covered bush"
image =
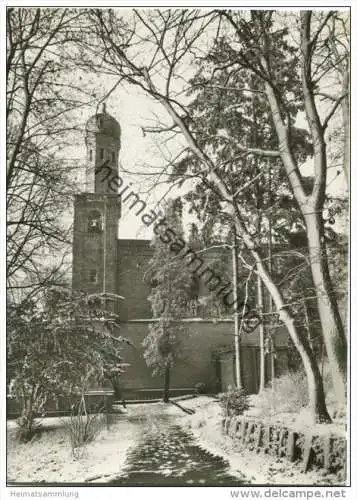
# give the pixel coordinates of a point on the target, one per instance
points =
(288, 394)
(27, 427)
(200, 387)
(57, 348)
(234, 402)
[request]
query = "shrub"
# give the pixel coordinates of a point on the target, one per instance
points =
(288, 394)
(27, 427)
(234, 402)
(200, 388)
(83, 428)
(336, 410)
(57, 345)
(32, 401)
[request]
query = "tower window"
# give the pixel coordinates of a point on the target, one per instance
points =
(101, 153)
(113, 156)
(94, 222)
(90, 155)
(93, 276)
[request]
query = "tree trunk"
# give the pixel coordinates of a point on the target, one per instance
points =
(238, 368)
(311, 206)
(332, 327)
(261, 334)
(167, 385)
(315, 384)
(307, 326)
(317, 402)
(272, 360)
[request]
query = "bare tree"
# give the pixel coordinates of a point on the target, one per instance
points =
(336, 48)
(168, 36)
(264, 62)
(42, 93)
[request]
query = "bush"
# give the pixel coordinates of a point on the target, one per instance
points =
(336, 410)
(288, 394)
(83, 428)
(31, 399)
(234, 402)
(200, 388)
(27, 428)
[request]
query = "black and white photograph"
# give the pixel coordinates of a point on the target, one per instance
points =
(177, 238)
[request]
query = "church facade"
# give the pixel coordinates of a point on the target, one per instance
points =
(102, 262)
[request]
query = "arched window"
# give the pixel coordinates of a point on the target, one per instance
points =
(90, 155)
(113, 156)
(94, 222)
(101, 153)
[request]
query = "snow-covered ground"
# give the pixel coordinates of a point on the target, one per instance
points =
(48, 458)
(205, 424)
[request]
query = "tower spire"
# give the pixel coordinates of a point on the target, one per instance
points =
(103, 145)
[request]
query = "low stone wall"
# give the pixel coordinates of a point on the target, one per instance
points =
(308, 451)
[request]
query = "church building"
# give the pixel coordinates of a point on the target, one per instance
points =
(102, 262)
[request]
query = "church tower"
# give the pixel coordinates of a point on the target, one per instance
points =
(97, 210)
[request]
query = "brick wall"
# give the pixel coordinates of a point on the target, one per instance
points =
(197, 363)
(205, 337)
(133, 258)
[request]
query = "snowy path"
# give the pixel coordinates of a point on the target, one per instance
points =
(152, 444)
(165, 455)
(145, 446)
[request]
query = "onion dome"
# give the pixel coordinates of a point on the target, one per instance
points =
(103, 123)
